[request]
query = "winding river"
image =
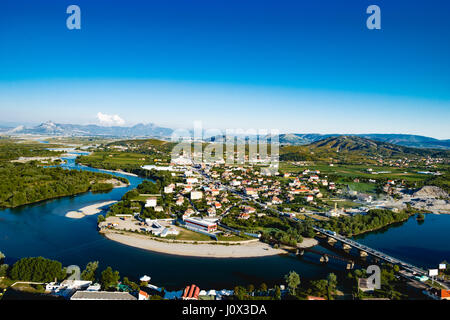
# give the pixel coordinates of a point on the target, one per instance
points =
(43, 230)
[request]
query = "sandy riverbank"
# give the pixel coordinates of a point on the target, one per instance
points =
(116, 183)
(89, 210)
(247, 250)
(308, 243)
(111, 171)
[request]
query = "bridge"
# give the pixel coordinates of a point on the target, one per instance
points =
(378, 254)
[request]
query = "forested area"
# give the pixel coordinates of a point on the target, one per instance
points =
(37, 269)
(374, 219)
(28, 183)
(11, 151)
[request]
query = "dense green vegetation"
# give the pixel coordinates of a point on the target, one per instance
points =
(109, 279)
(88, 273)
(274, 229)
(28, 183)
(352, 149)
(392, 286)
(37, 269)
(12, 150)
(374, 219)
(101, 187)
(297, 289)
(129, 155)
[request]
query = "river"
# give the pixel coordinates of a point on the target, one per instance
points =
(43, 230)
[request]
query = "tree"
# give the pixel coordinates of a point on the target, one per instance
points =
(331, 284)
(100, 218)
(277, 293)
(3, 270)
(239, 293)
(37, 269)
(109, 278)
(319, 287)
(263, 287)
(332, 280)
(292, 280)
(88, 273)
(250, 288)
(2, 257)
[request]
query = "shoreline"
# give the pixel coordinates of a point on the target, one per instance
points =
(247, 250)
(111, 171)
(89, 210)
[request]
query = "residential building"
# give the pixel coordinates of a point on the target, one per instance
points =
(191, 292)
(196, 195)
(150, 202)
(200, 224)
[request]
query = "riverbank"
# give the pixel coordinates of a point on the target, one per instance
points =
(308, 243)
(89, 210)
(111, 171)
(116, 183)
(209, 250)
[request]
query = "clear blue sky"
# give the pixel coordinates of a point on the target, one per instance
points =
(297, 66)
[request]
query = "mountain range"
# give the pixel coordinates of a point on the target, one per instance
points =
(299, 139)
(154, 131)
(351, 146)
(406, 140)
(51, 128)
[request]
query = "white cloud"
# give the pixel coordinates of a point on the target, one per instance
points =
(110, 120)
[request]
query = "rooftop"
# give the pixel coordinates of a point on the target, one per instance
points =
(102, 295)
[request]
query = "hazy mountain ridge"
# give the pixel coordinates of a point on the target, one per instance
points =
(353, 146)
(406, 140)
(152, 130)
(51, 128)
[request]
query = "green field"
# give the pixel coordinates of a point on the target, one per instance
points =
(358, 171)
(186, 234)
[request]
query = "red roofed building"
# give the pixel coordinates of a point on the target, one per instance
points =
(445, 294)
(315, 298)
(191, 292)
(143, 295)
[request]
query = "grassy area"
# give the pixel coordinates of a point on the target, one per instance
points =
(186, 234)
(357, 171)
(143, 197)
(342, 204)
(116, 158)
(233, 237)
(362, 187)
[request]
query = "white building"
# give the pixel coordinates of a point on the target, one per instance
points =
(168, 189)
(200, 224)
(191, 180)
(151, 202)
(195, 195)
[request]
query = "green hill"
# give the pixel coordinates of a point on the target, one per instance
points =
(352, 148)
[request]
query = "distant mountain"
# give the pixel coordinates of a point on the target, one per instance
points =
(407, 140)
(51, 128)
(152, 130)
(352, 147)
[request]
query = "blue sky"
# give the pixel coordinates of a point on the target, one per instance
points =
(296, 66)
